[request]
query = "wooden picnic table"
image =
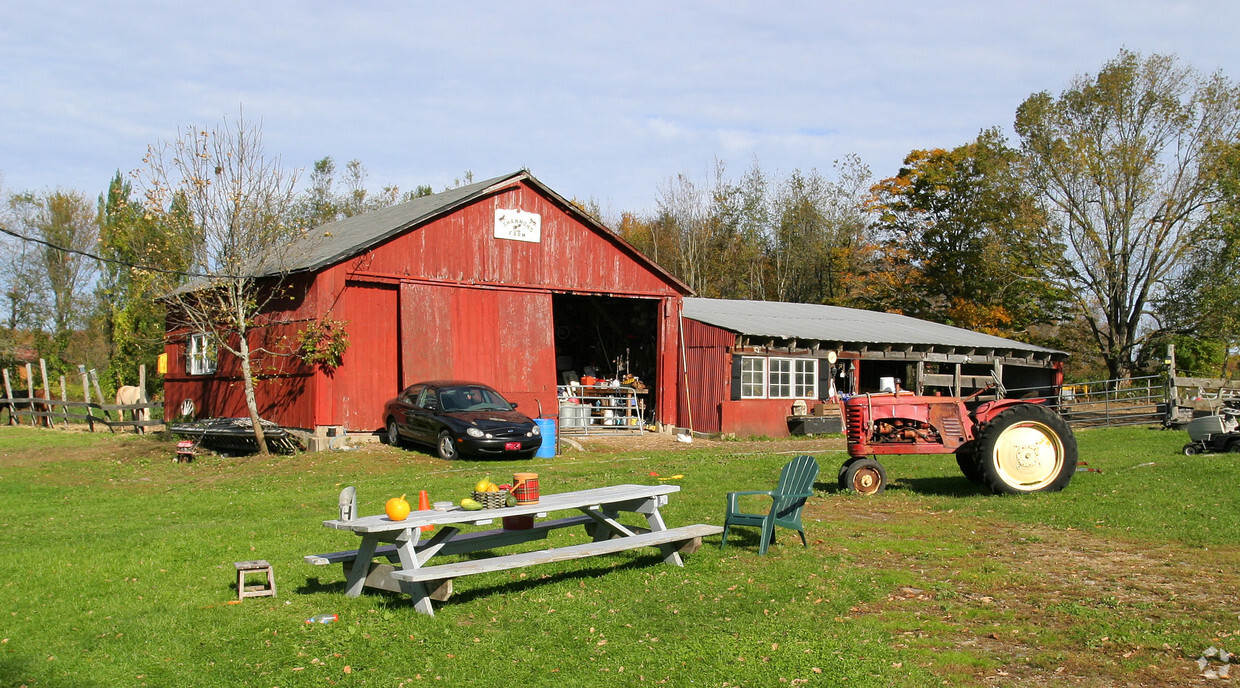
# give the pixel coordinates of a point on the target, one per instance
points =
(411, 568)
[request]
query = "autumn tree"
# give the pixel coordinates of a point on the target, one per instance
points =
(144, 256)
(1121, 162)
(1201, 311)
(240, 203)
(818, 245)
(963, 240)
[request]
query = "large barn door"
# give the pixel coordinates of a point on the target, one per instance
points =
(369, 373)
(498, 337)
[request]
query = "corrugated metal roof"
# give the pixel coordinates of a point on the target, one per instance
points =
(814, 322)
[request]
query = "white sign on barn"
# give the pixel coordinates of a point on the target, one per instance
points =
(518, 225)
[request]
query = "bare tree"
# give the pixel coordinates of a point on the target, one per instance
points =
(241, 204)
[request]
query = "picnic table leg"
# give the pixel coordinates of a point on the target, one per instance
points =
(670, 554)
(361, 566)
(610, 527)
(416, 590)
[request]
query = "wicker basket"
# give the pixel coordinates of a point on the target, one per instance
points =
(491, 500)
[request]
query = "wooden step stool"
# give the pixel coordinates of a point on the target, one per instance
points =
(256, 566)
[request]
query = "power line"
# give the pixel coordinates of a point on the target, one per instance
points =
(115, 261)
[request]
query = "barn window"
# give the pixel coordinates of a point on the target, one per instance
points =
(200, 354)
(779, 378)
(793, 378)
(753, 377)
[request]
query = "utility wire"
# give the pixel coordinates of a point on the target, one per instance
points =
(116, 261)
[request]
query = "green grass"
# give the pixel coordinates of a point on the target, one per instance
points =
(118, 572)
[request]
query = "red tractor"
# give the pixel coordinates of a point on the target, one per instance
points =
(1011, 446)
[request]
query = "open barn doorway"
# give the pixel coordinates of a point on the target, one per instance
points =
(610, 338)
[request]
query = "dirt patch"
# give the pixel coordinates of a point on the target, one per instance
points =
(662, 441)
(1046, 606)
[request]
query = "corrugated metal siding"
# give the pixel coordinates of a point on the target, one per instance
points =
(710, 374)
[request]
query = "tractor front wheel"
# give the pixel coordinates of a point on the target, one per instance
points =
(1026, 448)
(865, 476)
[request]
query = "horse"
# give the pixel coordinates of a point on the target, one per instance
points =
(127, 395)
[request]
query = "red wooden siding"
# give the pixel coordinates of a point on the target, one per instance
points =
(499, 337)
(462, 248)
(368, 375)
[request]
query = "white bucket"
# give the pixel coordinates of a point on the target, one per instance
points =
(886, 384)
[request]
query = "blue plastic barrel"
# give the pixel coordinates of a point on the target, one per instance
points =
(546, 426)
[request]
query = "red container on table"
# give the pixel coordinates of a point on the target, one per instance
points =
(518, 522)
(525, 487)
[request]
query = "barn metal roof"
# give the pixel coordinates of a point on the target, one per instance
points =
(814, 322)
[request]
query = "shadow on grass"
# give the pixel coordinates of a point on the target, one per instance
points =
(17, 671)
(537, 578)
(953, 486)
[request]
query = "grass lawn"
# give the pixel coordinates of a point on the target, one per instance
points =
(117, 571)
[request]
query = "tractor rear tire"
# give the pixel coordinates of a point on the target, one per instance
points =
(966, 458)
(1026, 448)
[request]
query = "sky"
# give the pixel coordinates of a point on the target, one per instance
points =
(600, 101)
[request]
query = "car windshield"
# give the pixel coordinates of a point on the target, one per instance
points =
(472, 399)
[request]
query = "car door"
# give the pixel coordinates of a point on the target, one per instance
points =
(402, 410)
(422, 416)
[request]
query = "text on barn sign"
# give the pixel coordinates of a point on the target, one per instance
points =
(519, 225)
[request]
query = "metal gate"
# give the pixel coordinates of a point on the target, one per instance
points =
(1126, 401)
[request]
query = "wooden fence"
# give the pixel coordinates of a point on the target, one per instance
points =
(40, 410)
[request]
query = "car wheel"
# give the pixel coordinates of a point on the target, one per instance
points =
(393, 434)
(447, 446)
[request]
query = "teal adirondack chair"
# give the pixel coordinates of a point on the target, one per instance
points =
(796, 484)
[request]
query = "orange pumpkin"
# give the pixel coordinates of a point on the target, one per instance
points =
(397, 508)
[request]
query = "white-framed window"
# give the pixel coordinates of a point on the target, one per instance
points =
(779, 378)
(200, 354)
(805, 378)
(753, 377)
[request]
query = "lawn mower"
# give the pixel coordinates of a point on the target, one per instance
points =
(1214, 434)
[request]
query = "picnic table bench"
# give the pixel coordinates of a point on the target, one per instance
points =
(411, 572)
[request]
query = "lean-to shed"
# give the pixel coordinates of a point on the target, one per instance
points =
(749, 362)
(502, 281)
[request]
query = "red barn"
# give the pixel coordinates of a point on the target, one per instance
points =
(503, 281)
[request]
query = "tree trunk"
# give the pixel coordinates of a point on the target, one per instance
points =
(251, 401)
